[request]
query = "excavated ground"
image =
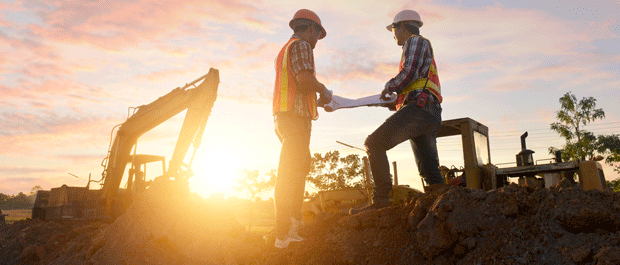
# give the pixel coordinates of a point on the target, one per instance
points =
(511, 225)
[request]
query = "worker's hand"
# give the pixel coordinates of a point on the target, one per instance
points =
(326, 97)
(386, 94)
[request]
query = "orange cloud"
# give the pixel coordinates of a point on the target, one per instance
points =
(130, 23)
(26, 89)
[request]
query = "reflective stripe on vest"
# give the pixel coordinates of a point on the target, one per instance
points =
(285, 86)
(431, 82)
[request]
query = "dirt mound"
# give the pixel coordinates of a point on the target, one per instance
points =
(161, 227)
(511, 225)
(38, 242)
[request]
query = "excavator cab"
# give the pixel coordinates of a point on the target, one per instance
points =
(136, 177)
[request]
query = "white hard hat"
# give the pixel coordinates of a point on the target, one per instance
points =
(406, 15)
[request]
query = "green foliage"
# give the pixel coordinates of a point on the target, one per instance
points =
(332, 172)
(19, 201)
(3, 198)
(609, 146)
(613, 184)
(253, 184)
(35, 189)
(580, 144)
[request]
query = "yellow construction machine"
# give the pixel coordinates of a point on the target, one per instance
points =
(477, 172)
(111, 200)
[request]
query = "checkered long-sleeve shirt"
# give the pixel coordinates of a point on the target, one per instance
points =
(418, 57)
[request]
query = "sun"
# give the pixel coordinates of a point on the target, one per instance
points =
(215, 173)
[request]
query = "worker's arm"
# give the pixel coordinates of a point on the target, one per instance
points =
(415, 51)
(302, 64)
(306, 82)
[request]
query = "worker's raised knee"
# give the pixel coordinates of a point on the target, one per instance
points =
(372, 144)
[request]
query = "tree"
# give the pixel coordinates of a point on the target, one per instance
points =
(35, 189)
(254, 185)
(609, 146)
(580, 144)
(3, 198)
(331, 172)
(613, 184)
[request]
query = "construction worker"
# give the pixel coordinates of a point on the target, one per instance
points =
(294, 108)
(418, 111)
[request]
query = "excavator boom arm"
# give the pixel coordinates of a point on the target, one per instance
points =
(197, 101)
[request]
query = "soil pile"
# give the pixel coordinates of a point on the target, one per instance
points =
(38, 242)
(511, 225)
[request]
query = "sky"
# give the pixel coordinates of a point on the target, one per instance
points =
(71, 70)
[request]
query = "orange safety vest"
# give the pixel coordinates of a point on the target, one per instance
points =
(285, 87)
(432, 84)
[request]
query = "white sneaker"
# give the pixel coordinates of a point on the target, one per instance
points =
(292, 232)
(283, 243)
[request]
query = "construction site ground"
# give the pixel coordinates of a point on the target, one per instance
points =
(510, 225)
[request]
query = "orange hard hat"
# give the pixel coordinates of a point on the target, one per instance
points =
(309, 15)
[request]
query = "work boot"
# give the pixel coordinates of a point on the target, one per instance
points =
(372, 206)
(283, 242)
(293, 231)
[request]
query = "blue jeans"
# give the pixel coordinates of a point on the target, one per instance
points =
(419, 126)
(295, 159)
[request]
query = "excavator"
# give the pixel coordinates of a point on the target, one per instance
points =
(111, 200)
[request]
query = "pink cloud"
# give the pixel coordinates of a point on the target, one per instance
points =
(26, 89)
(164, 74)
(27, 133)
(511, 86)
(549, 116)
(26, 48)
(6, 170)
(128, 24)
(363, 65)
(3, 22)
(80, 159)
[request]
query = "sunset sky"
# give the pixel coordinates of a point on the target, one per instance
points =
(70, 70)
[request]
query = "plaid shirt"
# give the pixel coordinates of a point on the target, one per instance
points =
(418, 57)
(302, 59)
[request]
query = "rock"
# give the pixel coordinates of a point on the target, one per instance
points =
(564, 184)
(608, 256)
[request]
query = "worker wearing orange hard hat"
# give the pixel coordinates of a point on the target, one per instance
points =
(294, 108)
(418, 111)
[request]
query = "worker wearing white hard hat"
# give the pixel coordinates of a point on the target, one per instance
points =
(418, 111)
(294, 108)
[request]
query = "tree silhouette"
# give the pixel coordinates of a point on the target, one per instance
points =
(254, 185)
(332, 172)
(580, 144)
